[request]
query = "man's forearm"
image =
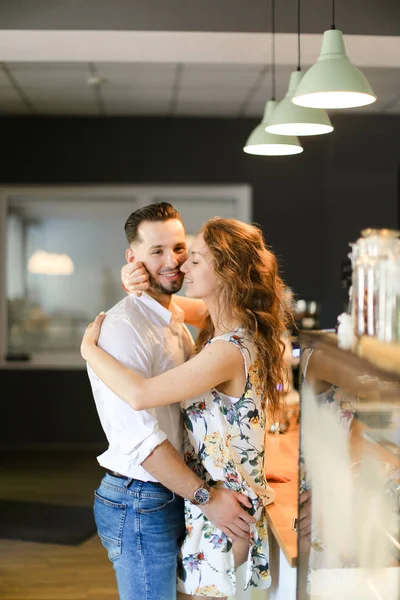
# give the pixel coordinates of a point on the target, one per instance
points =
(167, 466)
(224, 508)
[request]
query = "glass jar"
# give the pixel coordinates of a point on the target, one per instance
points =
(375, 294)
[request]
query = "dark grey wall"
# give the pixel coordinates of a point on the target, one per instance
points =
(367, 17)
(362, 190)
(309, 206)
(288, 192)
(52, 407)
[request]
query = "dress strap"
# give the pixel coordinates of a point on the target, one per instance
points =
(238, 339)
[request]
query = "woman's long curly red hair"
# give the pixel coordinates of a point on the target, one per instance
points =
(252, 294)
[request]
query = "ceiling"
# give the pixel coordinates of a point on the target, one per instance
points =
(165, 89)
(356, 17)
(134, 57)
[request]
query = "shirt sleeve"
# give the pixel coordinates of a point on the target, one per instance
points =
(137, 433)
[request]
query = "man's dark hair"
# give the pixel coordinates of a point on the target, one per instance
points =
(160, 211)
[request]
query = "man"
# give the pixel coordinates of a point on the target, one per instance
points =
(139, 505)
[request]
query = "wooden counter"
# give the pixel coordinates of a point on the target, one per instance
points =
(384, 355)
(281, 458)
(282, 451)
(381, 359)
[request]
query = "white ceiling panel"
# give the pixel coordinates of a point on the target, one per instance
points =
(378, 107)
(9, 95)
(138, 109)
(395, 109)
(393, 105)
(234, 76)
(206, 109)
(192, 111)
(5, 82)
(66, 108)
(215, 67)
(255, 110)
(259, 98)
(82, 94)
(383, 103)
(189, 111)
(50, 75)
(12, 103)
(213, 95)
(383, 80)
(47, 65)
(140, 89)
(132, 87)
(140, 94)
(13, 108)
(282, 76)
(136, 75)
(163, 104)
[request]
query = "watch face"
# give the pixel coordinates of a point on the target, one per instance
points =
(202, 495)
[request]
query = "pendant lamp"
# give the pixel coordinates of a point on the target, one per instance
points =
(290, 119)
(333, 82)
(266, 144)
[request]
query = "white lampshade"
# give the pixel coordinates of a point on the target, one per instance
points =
(50, 263)
(290, 119)
(333, 81)
(266, 144)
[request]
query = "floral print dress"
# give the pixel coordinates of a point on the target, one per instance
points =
(224, 445)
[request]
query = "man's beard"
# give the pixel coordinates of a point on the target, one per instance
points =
(173, 287)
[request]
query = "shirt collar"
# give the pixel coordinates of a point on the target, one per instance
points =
(155, 306)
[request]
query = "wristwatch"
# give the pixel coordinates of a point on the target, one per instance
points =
(202, 495)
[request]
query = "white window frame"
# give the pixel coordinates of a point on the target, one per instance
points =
(143, 195)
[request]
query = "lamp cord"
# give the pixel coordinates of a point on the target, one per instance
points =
(273, 49)
(333, 26)
(298, 36)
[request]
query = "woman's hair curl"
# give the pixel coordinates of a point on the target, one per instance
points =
(252, 294)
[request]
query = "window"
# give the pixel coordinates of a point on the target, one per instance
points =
(64, 251)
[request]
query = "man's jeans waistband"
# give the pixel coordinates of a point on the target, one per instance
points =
(135, 485)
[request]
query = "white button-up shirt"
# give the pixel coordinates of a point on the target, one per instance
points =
(148, 338)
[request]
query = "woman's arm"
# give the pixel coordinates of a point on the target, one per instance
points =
(217, 363)
(195, 310)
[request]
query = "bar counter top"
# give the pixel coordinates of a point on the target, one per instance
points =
(281, 458)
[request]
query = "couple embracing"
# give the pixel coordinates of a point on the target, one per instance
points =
(181, 504)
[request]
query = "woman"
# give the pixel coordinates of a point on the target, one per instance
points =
(238, 366)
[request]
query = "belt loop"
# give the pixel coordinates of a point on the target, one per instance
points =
(127, 482)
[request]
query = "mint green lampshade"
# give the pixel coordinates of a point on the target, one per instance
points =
(266, 144)
(289, 119)
(333, 81)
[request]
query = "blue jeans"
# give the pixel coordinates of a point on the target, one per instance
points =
(141, 525)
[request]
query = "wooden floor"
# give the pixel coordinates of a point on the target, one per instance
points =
(30, 571)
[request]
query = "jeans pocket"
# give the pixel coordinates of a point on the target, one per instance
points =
(150, 503)
(110, 517)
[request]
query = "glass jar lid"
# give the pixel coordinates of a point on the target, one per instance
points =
(387, 233)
